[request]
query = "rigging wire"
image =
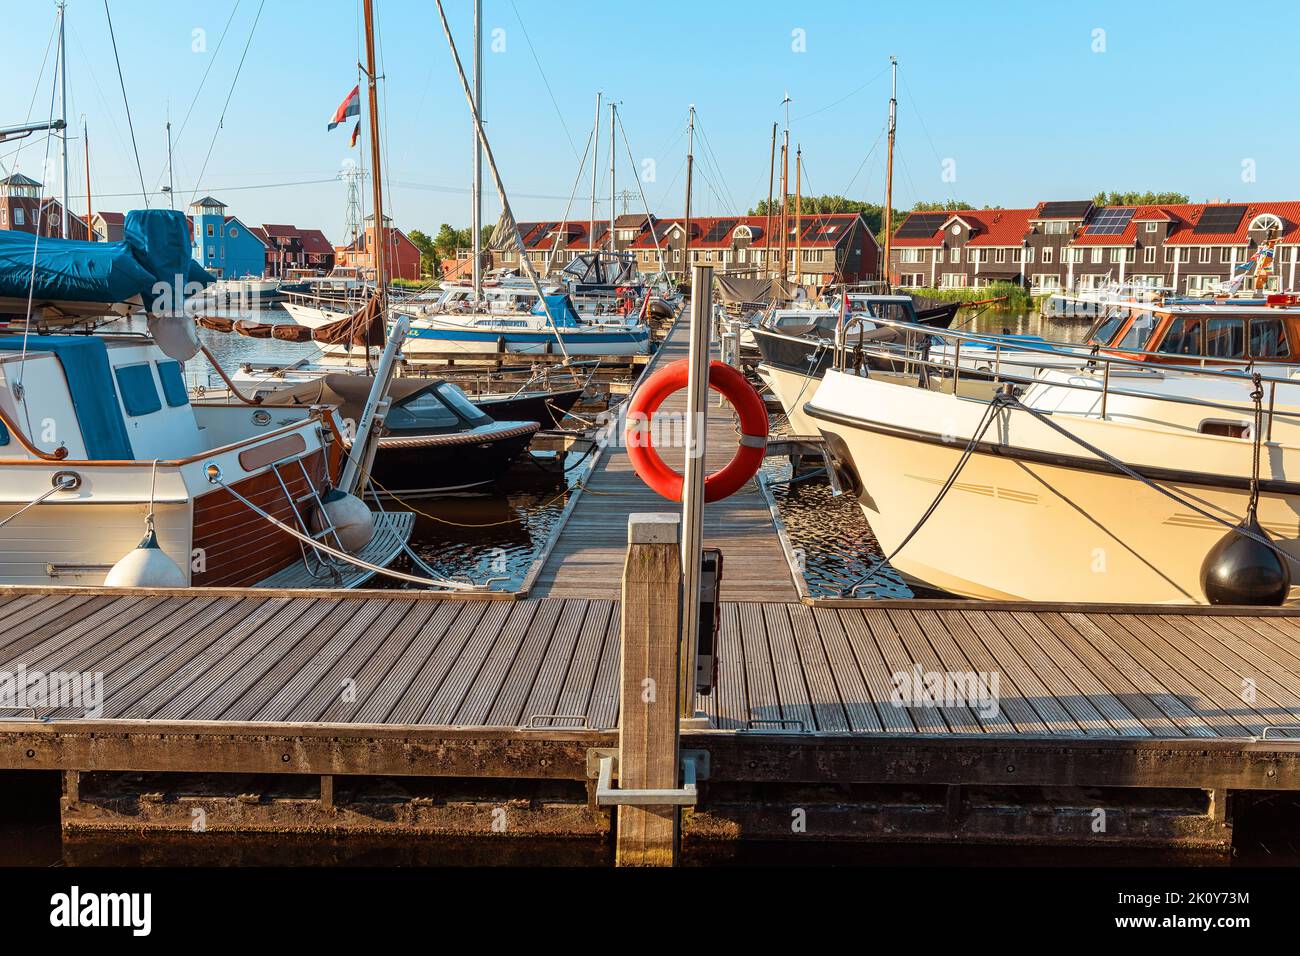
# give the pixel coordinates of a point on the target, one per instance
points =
(36, 90)
(222, 118)
(126, 103)
(649, 215)
(545, 81)
(842, 98)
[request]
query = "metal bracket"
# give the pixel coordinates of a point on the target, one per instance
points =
(1281, 732)
(602, 764)
(788, 726)
(552, 722)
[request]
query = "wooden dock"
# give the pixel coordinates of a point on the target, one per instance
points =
(586, 556)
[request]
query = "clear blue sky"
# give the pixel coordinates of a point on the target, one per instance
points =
(1027, 99)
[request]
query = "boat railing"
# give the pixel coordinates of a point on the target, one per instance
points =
(1006, 362)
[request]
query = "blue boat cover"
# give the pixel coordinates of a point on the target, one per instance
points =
(90, 381)
(156, 248)
(563, 314)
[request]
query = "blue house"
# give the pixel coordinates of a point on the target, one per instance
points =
(222, 244)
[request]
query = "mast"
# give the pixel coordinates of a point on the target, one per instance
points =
(798, 215)
(85, 139)
(785, 222)
(889, 163)
(595, 151)
(171, 182)
(63, 92)
(690, 168)
(613, 115)
(381, 240)
(477, 225)
(767, 232)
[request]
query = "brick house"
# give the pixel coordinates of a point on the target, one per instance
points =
(403, 254)
(22, 207)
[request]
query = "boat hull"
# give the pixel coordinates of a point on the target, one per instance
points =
(415, 466)
(1054, 525)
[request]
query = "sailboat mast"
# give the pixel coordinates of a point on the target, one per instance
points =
(171, 182)
(477, 225)
(63, 91)
(785, 212)
(889, 164)
(690, 169)
(613, 115)
(798, 215)
(381, 240)
(767, 232)
(85, 140)
(595, 152)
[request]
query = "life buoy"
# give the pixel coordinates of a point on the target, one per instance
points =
(744, 399)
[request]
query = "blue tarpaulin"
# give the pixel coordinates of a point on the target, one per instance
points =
(156, 249)
(563, 314)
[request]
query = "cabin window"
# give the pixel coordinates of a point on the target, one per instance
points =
(135, 385)
(1268, 339)
(1183, 338)
(1106, 330)
(4, 434)
(1139, 333)
(173, 383)
(1225, 338)
(423, 410)
(1225, 429)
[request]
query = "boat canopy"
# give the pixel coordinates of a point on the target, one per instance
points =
(155, 248)
(561, 310)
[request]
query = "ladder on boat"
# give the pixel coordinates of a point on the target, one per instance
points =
(318, 564)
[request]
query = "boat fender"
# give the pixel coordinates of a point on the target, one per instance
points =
(146, 566)
(1242, 570)
(352, 520)
(744, 398)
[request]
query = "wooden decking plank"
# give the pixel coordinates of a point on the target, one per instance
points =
(516, 681)
(1266, 657)
(1153, 721)
(15, 608)
(467, 695)
(274, 614)
(1283, 634)
(787, 666)
(49, 639)
(580, 681)
(760, 679)
(417, 697)
(1208, 686)
(1050, 710)
(555, 664)
(392, 687)
(56, 620)
(207, 698)
(854, 695)
(86, 650)
(1181, 711)
(959, 715)
(894, 716)
(827, 700)
(953, 658)
(899, 663)
(1093, 713)
(339, 680)
(370, 679)
(1013, 703)
(605, 693)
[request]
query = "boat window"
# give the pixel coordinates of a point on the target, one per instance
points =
(1139, 332)
(1107, 328)
(1183, 338)
(1268, 339)
(459, 401)
(423, 410)
(173, 383)
(1225, 338)
(135, 385)
(1225, 429)
(4, 434)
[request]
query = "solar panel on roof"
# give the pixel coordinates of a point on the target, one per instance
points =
(818, 231)
(719, 229)
(1073, 209)
(1220, 219)
(921, 225)
(1109, 222)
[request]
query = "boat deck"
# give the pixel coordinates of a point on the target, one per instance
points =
(404, 659)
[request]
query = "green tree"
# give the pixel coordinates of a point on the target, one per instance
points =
(1139, 199)
(429, 264)
(942, 206)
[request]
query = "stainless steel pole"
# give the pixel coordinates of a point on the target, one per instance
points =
(697, 394)
(63, 136)
(477, 225)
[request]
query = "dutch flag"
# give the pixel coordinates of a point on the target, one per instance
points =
(351, 106)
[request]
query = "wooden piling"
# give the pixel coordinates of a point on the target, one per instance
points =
(648, 729)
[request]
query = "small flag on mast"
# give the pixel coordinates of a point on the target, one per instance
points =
(351, 106)
(356, 134)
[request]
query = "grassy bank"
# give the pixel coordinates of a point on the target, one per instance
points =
(1014, 297)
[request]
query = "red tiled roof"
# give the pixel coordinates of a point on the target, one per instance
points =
(989, 227)
(112, 218)
(1183, 235)
(820, 231)
(314, 241)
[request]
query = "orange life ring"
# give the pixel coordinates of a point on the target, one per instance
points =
(744, 399)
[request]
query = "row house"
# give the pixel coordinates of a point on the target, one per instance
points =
(1066, 245)
(290, 249)
(403, 256)
(24, 207)
(222, 244)
(108, 226)
(551, 245)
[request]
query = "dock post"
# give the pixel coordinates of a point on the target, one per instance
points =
(648, 738)
(697, 430)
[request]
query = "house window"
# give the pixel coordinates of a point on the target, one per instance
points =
(1177, 255)
(234, 233)
(1001, 256)
(911, 255)
(1206, 254)
(955, 257)
(1151, 226)
(210, 232)
(1055, 228)
(677, 255)
(972, 255)
(954, 280)
(1149, 254)
(1029, 254)
(20, 217)
(1096, 255)
(212, 253)
(1047, 255)
(4, 216)
(812, 255)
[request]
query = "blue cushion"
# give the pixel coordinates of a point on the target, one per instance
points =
(135, 385)
(173, 383)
